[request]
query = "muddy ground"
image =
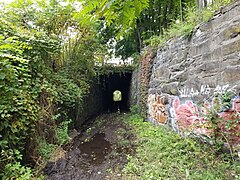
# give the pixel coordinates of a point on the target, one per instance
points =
(101, 147)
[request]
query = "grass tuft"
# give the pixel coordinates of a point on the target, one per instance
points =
(163, 154)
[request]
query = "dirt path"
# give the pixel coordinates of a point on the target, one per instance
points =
(101, 148)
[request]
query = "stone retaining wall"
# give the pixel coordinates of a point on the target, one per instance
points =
(191, 76)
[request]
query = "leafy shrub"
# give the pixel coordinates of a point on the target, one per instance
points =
(41, 78)
(62, 132)
(68, 92)
(18, 91)
(12, 168)
(16, 171)
(45, 149)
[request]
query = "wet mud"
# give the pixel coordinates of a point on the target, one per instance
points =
(99, 149)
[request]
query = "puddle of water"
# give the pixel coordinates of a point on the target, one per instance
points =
(95, 150)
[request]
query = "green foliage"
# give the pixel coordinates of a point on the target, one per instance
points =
(180, 29)
(44, 73)
(226, 99)
(135, 109)
(122, 13)
(136, 58)
(13, 169)
(20, 68)
(62, 132)
(224, 130)
(156, 41)
(177, 28)
(45, 149)
(108, 69)
(161, 154)
(68, 92)
(11, 155)
(18, 103)
(16, 171)
(152, 21)
(185, 27)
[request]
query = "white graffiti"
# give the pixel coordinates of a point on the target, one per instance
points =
(206, 90)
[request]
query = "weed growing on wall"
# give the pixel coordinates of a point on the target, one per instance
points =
(226, 100)
(223, 119)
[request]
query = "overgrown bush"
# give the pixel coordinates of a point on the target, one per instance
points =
(16, 171)
(31, 94)
(13, 169)
(18, 103)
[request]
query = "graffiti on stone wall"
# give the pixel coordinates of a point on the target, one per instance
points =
(188, 116)
(157, 109)
(206, 90)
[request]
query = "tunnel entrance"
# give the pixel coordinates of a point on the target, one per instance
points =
(100, 97)
(117, 81)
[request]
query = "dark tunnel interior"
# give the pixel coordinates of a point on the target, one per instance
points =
(100, 98)
(112, 82)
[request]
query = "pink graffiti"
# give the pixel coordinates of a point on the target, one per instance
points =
(188, 117)
(191, 118)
